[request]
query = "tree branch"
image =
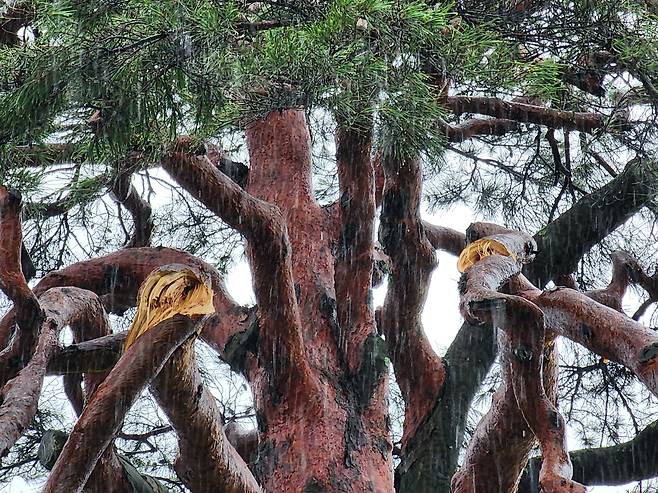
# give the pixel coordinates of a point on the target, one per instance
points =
(206, 461)
(525, 113)
(139, 209)
(419, 371)
(590, 220)
(112, 400)
(478, 126)
(260, 223)
(634, 460)
(62, 306)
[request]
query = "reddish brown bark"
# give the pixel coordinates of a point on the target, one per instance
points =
(26, 312)
(117, 277)
(522, 349)
(419, 371)
(351, 451)
(139, 209)
(290, 240)
(260, 222)
(207, 462)
(62, 306)
(354, 259)
(111, 402)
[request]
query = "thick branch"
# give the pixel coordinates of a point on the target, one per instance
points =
(354, 259)
(207, 462)
(12, 280)
(62, 306)
(602, 330)
(564, 241)
(116, 278)
(525, 113)
(419, 371)
(92, 356)
(261, 224)
(445, 239)
(139, 209)
(112, 400)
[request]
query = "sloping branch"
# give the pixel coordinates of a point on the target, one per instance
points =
(419, 371)
(478, 126)
(116, 279)
(112, 400)
(260, 223)
(564, 241)
(634, 460)
(525, 113)
(445, 239)
(354, 259)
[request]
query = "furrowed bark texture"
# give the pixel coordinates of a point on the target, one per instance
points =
(112, 400)
(419, 371)
(207, 462)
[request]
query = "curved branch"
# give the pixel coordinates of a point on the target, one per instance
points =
(630, 461)
(116, 278)
(207, 461)
(62, 306)
(445, 239)
(260, 223)
(139, 209)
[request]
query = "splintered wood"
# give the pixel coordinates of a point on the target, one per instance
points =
(480, 249)
(168, 291)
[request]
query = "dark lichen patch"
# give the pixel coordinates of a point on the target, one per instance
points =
(648, 353)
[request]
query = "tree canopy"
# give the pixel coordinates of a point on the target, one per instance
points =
(160, 138)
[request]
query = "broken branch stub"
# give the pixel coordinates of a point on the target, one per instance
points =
(173, 289)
